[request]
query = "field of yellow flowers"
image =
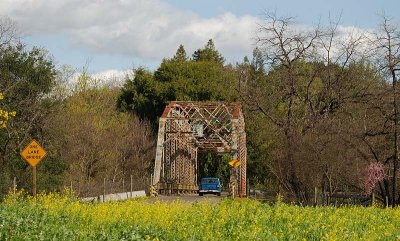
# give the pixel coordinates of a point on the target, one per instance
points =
(56, 217)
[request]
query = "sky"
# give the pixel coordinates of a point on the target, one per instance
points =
(109, 37)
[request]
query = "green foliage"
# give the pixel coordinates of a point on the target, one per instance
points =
(29, 73)
(26, 78)
(209, 53)
(215, 165)
(202, 79)
(142, 95)
(180, 55)
(96, 141)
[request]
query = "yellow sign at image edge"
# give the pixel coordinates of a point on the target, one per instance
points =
(33, 153)
(234, 163)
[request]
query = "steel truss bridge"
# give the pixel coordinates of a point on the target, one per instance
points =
(187, 128)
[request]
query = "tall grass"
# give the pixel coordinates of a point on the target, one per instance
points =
(57, 217)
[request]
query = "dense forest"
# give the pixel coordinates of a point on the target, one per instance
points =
(321, 111)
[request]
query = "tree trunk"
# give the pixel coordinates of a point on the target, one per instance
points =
(396, 148)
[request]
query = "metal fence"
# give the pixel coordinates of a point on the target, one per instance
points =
(8, 185)
(82, 188)
(318, 198)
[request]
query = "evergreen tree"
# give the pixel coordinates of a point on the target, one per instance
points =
(208, 53)
(202, 79)
(26, 77)
(180, 54)
(258, 62)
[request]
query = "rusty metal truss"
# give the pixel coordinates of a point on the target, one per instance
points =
(187, 128)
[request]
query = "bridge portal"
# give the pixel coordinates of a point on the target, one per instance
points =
(187, 128)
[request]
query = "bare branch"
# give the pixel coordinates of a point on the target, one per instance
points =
(9, 33)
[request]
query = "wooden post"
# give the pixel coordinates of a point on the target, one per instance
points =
(131, 185)
(315, 196)
(373, 199)
(15, 185)
(387, 201)
(104, 190)
(34, 181)
(123, 185)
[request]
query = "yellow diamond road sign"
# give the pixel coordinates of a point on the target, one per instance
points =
(234, 163)
(33, 153)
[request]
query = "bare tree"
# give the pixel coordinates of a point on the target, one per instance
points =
(9, 32)
(309, 80)
(96, 141)
(387, 54)
(283, 46)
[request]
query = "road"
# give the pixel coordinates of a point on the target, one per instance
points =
(191, 198)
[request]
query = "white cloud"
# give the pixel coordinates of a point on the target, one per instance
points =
(148, 29)
(112, 74)
(142, 29)
(113, 77)
(110, 77)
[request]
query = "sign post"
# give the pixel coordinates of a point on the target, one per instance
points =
(234, 163)
(34, 181)
(33, 154)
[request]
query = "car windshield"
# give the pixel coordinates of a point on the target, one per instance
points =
(209, 181)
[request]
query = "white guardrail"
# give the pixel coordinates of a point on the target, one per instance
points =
(114, 196)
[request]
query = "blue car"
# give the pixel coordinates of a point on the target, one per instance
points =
(210, 185)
